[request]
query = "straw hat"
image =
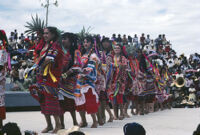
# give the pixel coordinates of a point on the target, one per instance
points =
(192, 89)
(68, 131)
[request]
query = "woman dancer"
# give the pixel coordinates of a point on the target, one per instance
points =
(101, 79)
(88, 101)
(48, 77)
(70, 71)
(117, 63)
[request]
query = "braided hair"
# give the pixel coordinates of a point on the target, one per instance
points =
(91, 50)
(89, 39)
(73, 41)
(54, 31)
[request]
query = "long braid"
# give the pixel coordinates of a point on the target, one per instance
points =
(73, 41)
(89, 54)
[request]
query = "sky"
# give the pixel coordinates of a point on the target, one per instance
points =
(179, 20)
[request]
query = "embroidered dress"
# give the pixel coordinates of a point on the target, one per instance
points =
(150, 85)
(2, 95)
(48, 78)
(117, 79)
(139, 82)
(141, 86)
(67, 84)
(100, 84)
(88, 100)
(48, 104)
(4, 58)
(50, 73)
(160, 96)
(137, 88)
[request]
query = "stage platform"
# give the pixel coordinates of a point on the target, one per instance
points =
(20, 101)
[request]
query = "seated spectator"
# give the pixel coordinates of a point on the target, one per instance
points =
(11, 129)
(14, 74)
(21, 72)
(77, 133)
(75, 130)
(197, 131)
(30, 133)
(134, 129)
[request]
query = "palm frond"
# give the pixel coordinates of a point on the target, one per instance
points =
(36, 25)
(84, 33)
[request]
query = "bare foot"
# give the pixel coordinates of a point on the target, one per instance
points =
(141, 113)
(146, 112)
(135, 113)
(83, 124)
(104, 120)
(62, 126)
(116, 118)
(75, 123)
(46, 130)
(121, 117)
(132, 112)
(101, 123)
(126, 115)
(56, 130)
(94, 125)
(111, 119)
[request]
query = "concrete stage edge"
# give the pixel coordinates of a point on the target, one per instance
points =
(20, 100)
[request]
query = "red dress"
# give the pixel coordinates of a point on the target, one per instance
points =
(67, 85)
(89, 100)
(117, 79)
(100, 84)
(2, 96)
(48, 79)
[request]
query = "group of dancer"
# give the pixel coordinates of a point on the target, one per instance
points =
(96, 74)
(93, 75)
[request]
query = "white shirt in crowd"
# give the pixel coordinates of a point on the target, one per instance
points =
(21, 73)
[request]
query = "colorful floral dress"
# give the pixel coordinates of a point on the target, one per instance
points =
(117, 78)
(88, 99)
(100, 84)
(2, 95)
(48, 78)
(67, 84)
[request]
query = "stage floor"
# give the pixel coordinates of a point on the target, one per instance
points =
(176, 121)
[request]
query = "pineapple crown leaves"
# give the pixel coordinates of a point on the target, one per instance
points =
(36, 25)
